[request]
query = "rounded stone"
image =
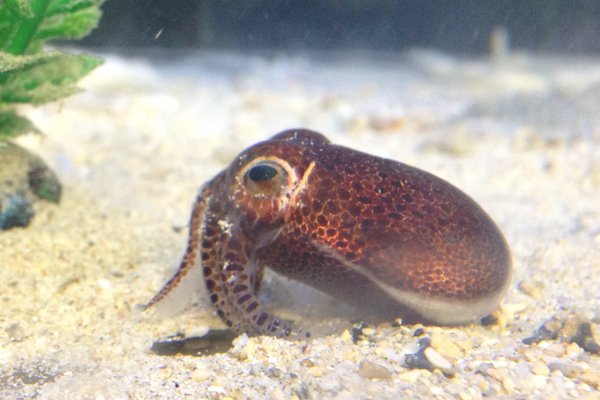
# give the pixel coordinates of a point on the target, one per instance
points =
(24, 179)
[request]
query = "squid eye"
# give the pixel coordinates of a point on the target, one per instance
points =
(266, 178)
(262, 173)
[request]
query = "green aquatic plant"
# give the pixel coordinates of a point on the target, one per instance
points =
(30, 74)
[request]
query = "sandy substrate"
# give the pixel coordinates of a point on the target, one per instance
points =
(521, 136)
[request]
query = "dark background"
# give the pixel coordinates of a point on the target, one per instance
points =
(451, 25)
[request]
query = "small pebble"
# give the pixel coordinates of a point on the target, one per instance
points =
(371, 370)
(105, 284)
(427, 358)
(455, 145)
(15, 332)
(584, 337)
(165, 373)
(249, 350)
(502, 320)
(368, 331)
(568, 329)
(316, 371)
(465, 345)
(539, 368)
(445, 345)
(567, 370)
(307, 362)
(535, 382)
(465, 396)
(510, 310)
(483, 385)
(274, 394)
(412, 376)
(508, 385)
(329, 384)
(217, 389)
(498, 374)
(346, 336)
(201, 374)
(534, 289)
(382, 124)
(591, 378)
(573, 350)
(349, 355)
(436, 359)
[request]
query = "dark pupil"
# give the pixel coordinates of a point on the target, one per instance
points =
(261, 173)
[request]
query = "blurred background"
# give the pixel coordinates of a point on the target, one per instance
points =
(455, 26)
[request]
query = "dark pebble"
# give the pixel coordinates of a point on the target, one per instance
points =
(214, 342)
(24, 179)
(15, 211)
(489, 320)
(419, 360)
(567, 328)
(357, 332)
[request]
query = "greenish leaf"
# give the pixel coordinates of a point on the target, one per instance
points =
(27, 73)
(26, 25)
(9, 62)
(67, 20)
(43, 78)
(12, 125)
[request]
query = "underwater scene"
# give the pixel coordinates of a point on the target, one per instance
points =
(299, 200)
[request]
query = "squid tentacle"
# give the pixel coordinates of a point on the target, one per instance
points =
(192, 252)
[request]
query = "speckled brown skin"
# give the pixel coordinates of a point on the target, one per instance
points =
(378, 234)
